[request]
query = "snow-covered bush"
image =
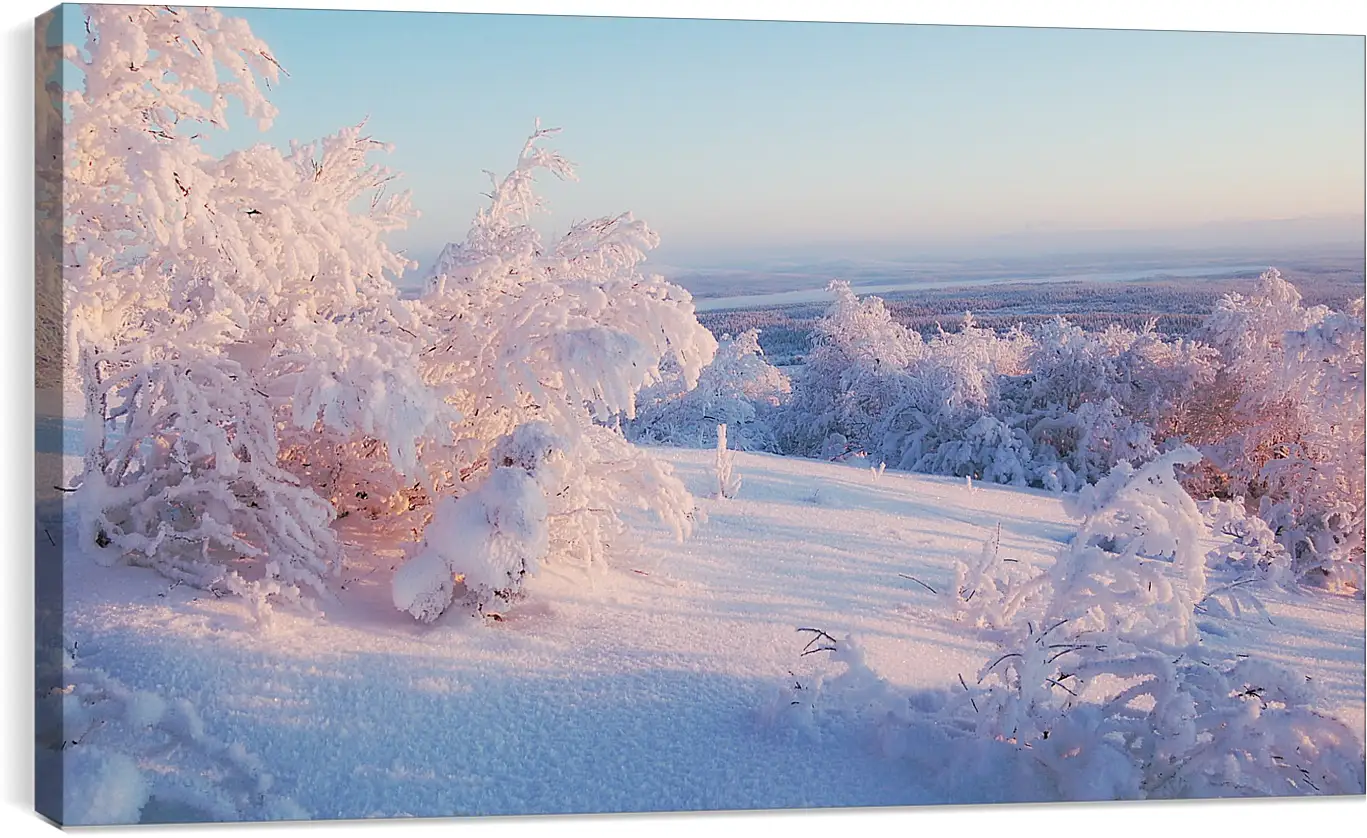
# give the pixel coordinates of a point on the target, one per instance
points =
(188, 479)
(850, 377)
(739, 389)
(942, 418)
(1253, 549)
(119, 749)
(1099, 683)
(1104, 682)
(224, 309)
(542, 348)
(486, 541)
(1285, 424)
(728, 482)
(250, 370)
(1092, 400)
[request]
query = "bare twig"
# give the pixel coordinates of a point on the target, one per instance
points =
(987, 671)
(919, 582)
(817, 636)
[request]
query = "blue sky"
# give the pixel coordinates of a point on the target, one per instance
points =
(732, 136)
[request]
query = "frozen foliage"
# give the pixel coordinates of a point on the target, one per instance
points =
(1101, 680)
(250, 371)
(1289, 409)
(739, 389)
(188, 479)
(1055, 408)
(1253, 550)
(223, 311)
(1271, 391)
(120, 748)
(1102, 677)
(849, 377)
(486, 541)
(728, 482)
(552, 342)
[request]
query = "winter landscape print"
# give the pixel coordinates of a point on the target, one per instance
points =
(959, 415)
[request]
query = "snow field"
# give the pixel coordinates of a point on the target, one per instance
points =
(650, 686)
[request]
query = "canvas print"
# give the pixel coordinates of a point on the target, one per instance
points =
(451, 414)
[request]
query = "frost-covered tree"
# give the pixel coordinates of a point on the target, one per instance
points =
(559, 338)
(739, 389)
(250, 370)
(945, 420)
(1102, 680)
(224, 312)
(1092, 400)
(850, 376)
(1285, 425)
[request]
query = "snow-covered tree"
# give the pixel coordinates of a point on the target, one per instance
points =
(180, 446)
(1285, 424)
(560, 338)
(850, 376)
(739, 389)
(1092, 400)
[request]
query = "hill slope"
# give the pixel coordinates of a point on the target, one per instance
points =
(645, 687)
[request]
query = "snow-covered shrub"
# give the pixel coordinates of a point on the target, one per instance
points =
(486, 541)
(224, 309)
(117, 749)
(1099, 685)
(884, 390)
(552, 344)
(1253, 549)
(850, 377)
(728, 482)
(1092, 400)
(941, 419)
(249, 367)
(739, 389)
(1289, 409)
(1103, 681)
(985, 592)
(987, 449)
(188, 481)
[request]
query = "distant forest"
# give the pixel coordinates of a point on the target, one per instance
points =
(1177, 305)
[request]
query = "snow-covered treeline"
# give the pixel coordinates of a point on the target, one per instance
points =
(251, 373)
(1269, 390)
(739, 389)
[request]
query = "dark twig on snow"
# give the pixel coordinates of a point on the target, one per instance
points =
(919, 582)
(817, 636)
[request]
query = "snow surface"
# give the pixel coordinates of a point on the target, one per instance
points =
(638, 688)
